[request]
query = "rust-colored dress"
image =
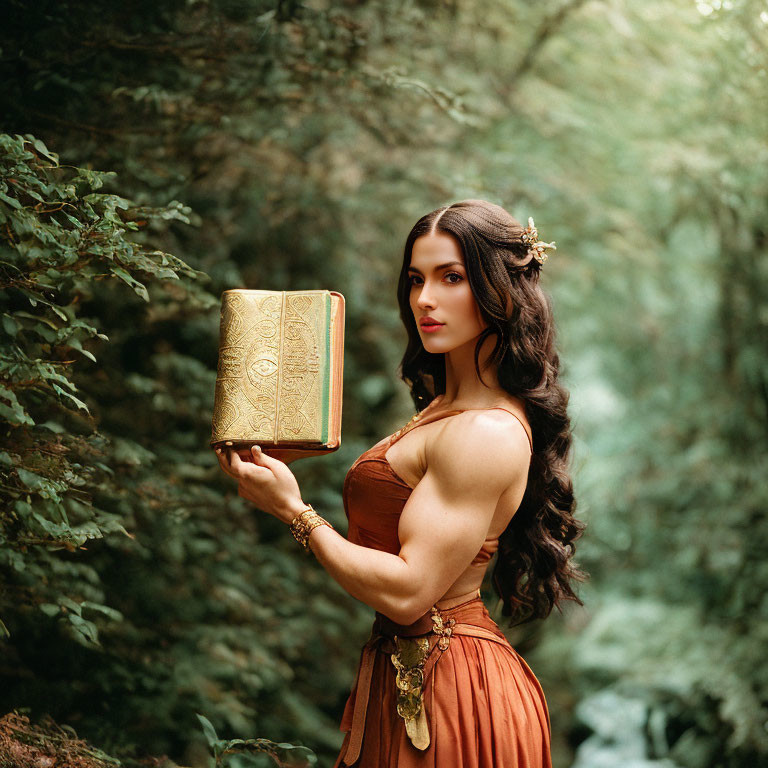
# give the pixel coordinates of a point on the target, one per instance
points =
(481, 706)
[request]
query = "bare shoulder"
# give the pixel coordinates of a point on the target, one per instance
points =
(486, 448)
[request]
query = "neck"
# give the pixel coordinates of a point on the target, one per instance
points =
(462, 384)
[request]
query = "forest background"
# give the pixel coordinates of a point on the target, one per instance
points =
(154, 154)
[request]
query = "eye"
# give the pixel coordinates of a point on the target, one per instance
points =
(459, 277)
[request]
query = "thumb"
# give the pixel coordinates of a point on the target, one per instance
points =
(259, 456)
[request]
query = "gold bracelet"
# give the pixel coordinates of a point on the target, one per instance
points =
(304, 523)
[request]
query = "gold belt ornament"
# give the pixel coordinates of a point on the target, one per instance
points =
(409, 660)
(443, 629)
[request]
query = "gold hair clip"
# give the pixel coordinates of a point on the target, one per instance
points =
(536, 247)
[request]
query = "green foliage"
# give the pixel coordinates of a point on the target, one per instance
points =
(666, 303)
(221, 614)
(169, 611)
(57, 237)
(284, 755)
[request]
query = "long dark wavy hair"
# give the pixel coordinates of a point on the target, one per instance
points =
(534, 566)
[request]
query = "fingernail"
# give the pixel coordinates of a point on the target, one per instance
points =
(229, 442)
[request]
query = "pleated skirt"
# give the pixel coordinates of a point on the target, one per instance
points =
(485, 707)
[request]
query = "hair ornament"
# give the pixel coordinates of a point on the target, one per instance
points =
(536, 247)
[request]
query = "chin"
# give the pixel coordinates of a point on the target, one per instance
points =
(434, 346)
(437, 346)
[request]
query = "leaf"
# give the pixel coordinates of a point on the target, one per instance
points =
(138, 287)
(77, 344)
(41, 148)
(268, 16)
(105, 609)
(208, 730)
(10, 326)
(284, 754)
(16, 414)
(22, 507)
(53, 426)
(86, 630)
(87, 530)
(32, 480)
(12, 201)
(78, 403)
(70, 604)
(57, 531)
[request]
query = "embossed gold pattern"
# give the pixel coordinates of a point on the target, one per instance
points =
(443, 629)
(279, 376)
(409, 662)
(304, 523)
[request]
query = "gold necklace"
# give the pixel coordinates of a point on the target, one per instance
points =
(413, 420)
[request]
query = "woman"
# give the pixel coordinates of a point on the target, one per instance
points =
(481, 468)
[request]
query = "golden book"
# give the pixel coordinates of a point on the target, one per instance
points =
(280, 370)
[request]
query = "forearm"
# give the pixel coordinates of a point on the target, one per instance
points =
(376, 578)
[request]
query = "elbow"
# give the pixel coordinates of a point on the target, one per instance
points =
(401, 617)
(398, 610)
(407, 612)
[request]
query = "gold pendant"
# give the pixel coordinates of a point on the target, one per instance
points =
(409, 662)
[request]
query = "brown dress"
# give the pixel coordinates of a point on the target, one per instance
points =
(481, 706)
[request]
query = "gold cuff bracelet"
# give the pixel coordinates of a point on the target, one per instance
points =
(304, 523)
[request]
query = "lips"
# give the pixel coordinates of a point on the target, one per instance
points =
(428, 325)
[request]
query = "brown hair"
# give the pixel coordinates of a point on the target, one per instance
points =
(534, 566)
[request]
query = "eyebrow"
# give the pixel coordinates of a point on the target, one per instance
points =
(440, 266)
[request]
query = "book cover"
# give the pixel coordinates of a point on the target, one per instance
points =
(279, 377)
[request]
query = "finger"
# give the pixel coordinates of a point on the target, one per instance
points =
(236, 463)
(221, 455)
(225, 459)
(240, 467)
(262, 458)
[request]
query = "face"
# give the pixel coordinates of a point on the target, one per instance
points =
(440, 290)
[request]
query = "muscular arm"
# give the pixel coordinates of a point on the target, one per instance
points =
(376, 578)
(443, 525)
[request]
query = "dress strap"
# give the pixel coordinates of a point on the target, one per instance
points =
(423, 417)
(527, 434)
(420, 419)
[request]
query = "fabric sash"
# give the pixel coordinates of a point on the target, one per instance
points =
(470, 619)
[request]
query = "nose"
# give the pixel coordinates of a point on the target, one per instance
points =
(425, 298)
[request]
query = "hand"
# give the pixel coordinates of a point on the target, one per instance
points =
(264, 480)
